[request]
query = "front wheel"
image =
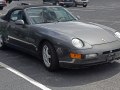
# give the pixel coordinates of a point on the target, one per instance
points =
(49, 57)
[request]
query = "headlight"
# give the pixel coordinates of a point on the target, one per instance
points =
(77, 43)
(117, 34)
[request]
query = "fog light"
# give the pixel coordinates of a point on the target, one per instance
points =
(90, 56)
(75, 56)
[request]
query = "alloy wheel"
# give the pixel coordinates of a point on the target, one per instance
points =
(46, 56)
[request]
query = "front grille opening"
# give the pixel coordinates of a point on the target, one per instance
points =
(112, 51)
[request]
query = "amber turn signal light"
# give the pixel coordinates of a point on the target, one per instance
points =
(75, 56)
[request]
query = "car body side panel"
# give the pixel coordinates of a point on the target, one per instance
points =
(3, 27)
(18, 35)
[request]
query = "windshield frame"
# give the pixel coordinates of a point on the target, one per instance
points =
(75, 19)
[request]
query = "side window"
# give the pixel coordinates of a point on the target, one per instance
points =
(35, 15)
(14, 15)
(17, 15)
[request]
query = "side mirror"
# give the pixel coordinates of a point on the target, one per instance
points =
(78, 17)
(19, 22)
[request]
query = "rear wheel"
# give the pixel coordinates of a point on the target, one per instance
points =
(74, 4)
(57, 4)
(49, 57)
(2, 44)
(67, 6)
(84, 4)
(61, 5)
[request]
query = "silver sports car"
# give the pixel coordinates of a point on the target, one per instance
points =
(57, 37)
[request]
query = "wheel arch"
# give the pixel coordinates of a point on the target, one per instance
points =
(42, 41)
(55, 66)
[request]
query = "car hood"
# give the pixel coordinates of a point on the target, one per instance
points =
(92, 34)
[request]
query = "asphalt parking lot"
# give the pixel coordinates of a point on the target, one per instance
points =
(101, 77)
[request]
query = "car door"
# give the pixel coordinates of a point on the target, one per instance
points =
(18, 34)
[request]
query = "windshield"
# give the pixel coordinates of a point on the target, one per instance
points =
(39, 15)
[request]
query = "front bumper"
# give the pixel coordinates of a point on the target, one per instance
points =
(76, 63)
(105, 53)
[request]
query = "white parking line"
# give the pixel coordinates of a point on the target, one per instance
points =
(39, 85)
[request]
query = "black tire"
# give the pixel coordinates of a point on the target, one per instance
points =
(74, 4)
(2, 44)
(85, 5)
(54, 62)
(67, 6)
(57, 4)
(61, 5)
(1, 8)
(54, 3)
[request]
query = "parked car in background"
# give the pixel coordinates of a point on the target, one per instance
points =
(84, 3)
(66, 3)
(2, 4)
(53, 2)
